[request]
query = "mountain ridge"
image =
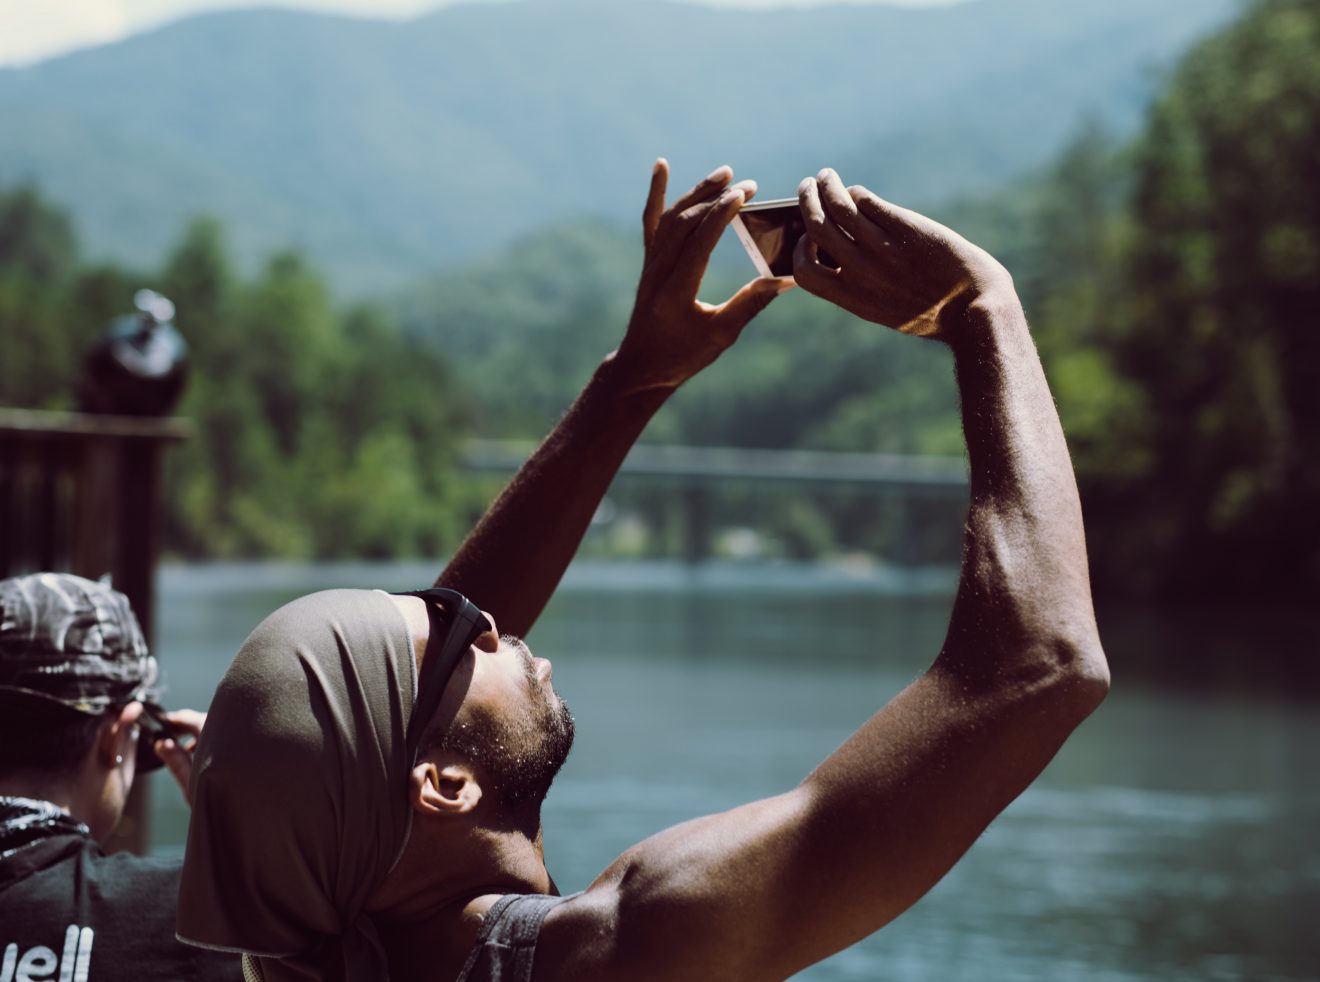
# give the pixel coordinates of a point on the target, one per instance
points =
(387, 149)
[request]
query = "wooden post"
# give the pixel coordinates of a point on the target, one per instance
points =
(82, 494)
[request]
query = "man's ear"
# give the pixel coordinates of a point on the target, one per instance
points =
(448, 787)
(118, 737)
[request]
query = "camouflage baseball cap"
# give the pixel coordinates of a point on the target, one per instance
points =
(72, 640)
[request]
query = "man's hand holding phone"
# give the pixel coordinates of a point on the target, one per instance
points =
(888, 264)
(770, 231)
(172, 737)
(881, 262)
(672, 335)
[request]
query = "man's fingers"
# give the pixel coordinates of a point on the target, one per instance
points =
(655, 200)
(875, 209)
(736, 312)
(708, 187)
(719, 210)
(715, 218)
(821, 227)
(676, 223)
(687, 238)
(811, 274)
(188, 720)
(838, 204)
(900, 225)
(179, 762)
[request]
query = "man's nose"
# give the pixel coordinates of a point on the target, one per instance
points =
(488, 640)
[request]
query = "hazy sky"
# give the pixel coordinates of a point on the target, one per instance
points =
(34, 29)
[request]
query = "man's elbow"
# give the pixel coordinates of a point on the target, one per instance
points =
(1055, 664)
(1074, 672)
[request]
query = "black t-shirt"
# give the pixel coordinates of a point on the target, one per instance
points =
(69, 913)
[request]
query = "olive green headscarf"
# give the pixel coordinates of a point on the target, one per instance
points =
(299, 789)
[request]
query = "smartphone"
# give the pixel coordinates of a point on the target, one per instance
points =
(769, 231)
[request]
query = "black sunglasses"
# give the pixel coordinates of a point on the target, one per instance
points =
(456, 623)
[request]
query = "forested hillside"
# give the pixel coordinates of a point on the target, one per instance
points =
(385, 150)
(1172, 281)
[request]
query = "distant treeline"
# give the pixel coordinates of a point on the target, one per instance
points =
(1173, 285)
(319, 432)
(1176, 287)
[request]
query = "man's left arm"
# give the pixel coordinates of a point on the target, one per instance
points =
(513, 559)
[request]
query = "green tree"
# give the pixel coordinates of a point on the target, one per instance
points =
(38, 260)
(320, 433)
(1224, 276)
(36, 239)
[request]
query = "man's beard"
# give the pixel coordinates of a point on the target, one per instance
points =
(524, 763)
(520, 756)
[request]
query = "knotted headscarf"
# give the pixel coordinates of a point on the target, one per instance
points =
(299, 788)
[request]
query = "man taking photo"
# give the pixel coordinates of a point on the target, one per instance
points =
(368, 791)
(78, 722)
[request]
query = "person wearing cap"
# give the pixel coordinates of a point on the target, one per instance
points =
(367, 792)
(76, 685)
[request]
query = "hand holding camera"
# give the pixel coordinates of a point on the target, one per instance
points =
(168, 738)
(881, 262)
(888, 264)
(672, 335)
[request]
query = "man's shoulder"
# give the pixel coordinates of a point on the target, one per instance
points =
(75, 863)
(39, 864)
(69, 880)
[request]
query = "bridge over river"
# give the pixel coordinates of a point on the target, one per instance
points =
(695, 473)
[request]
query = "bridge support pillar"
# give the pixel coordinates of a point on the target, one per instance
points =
(696, 524)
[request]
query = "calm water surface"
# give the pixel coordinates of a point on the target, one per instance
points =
(1174, 837)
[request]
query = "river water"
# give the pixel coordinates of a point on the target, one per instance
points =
(1175, 837)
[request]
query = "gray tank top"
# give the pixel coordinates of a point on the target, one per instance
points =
(506, 943)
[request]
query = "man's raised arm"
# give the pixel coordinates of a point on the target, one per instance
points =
(764, 890)
(512, 561)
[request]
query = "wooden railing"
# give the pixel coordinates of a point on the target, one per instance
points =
(82, 494)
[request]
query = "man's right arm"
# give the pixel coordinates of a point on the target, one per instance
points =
(764, 890)
(512, 561)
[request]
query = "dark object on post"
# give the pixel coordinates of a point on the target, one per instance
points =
(140, 365)
(83, 494)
